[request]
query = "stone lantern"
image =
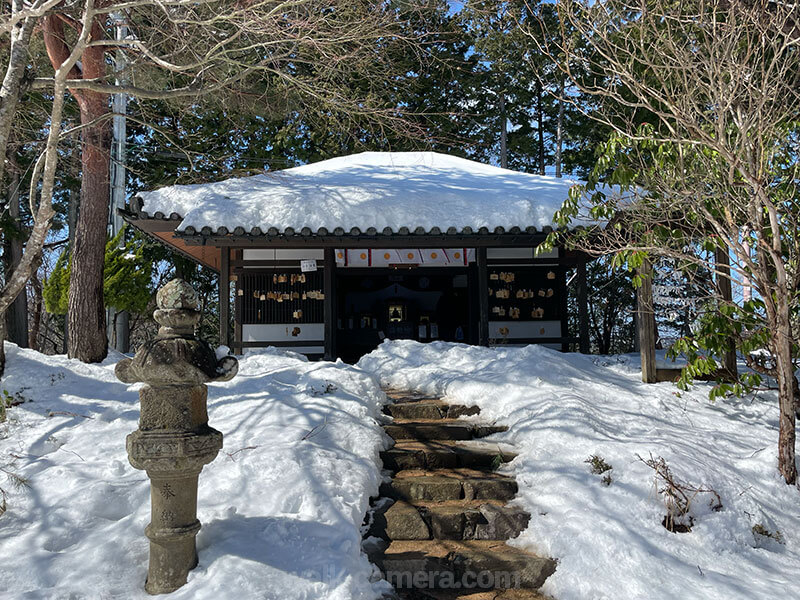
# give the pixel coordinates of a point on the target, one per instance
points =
(174, 440)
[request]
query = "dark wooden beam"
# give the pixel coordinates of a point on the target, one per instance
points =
(225, 297)
(329, 278)
(647, 323)
(483, 298)
(583, 309)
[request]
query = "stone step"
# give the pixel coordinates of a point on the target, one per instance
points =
(429, 409)
(449, 484)
(442, 429)
(475, 565)
(444, 455)
(454, 520)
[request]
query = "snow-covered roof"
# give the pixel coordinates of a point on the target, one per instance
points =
(383, 192)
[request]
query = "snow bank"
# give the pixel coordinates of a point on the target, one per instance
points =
(371, 189)
(281, 506)
(562, 408)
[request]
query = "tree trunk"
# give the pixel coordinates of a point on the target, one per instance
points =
(2, 347)
(36, 312)
(11, 88)
(86, 312)
(723, 265)
(44, 168)
(647, 323)
(782, 350)
(72, 225)
(17, 315)
(747, 286)
(10, 92)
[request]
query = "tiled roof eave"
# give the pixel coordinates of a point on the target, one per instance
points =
(307, 233)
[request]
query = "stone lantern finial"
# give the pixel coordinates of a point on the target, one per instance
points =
(174, 440)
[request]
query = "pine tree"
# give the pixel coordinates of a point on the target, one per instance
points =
(127, 277)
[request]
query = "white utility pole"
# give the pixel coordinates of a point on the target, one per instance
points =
(118, 178)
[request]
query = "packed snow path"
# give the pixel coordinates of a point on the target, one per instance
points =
(444, 518)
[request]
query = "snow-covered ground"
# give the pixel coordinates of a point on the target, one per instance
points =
(281, 506)
(609, 540)
(283, 503)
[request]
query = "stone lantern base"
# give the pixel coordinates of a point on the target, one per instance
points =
(173, 462)
(174, 441)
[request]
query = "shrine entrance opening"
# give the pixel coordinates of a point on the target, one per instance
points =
(423, 304)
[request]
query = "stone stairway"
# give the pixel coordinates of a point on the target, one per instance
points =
(443, 519)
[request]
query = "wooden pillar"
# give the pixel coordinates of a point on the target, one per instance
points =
(329, 309)
(483, 297)
(647, 323)
(583, 309)
(723, 261)
(17, 314)
(224, 296)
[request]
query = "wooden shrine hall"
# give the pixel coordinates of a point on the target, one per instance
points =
(331, 258)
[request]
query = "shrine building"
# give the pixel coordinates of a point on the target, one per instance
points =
(331, 258)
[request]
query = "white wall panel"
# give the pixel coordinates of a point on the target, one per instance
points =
(286, 332)
(282, 254)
